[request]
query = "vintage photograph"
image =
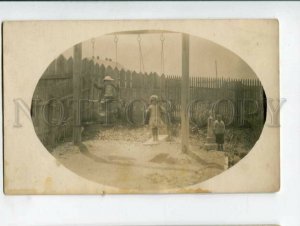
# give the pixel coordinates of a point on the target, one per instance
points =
(148, 110)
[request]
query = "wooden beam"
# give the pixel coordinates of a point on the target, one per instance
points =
(138, 32)
(77, 56)
(185, 94)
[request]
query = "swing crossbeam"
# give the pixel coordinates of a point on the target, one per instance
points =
(140, 32)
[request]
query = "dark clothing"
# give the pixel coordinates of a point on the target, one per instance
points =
(220, 138)
(109, 91)
(219, 127)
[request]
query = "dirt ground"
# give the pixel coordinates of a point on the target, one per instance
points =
(120, 158)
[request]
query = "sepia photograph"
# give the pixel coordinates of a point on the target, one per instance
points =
(147, 110)
(150, 113)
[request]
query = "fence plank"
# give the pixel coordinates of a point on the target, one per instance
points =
(69, 66)
(60, 65)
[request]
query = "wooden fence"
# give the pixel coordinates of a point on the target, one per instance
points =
(233, 98)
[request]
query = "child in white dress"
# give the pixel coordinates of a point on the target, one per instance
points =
(154, 115)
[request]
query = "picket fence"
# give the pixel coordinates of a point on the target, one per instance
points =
(235, 99)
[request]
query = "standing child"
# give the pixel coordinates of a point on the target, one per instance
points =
(154, 116)
(219, 131)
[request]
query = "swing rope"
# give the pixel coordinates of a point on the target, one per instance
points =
(139, 39)
(93, 48)
(116, 39)
(162, 54)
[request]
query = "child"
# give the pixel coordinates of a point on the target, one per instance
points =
(219, 131)
(154, 116)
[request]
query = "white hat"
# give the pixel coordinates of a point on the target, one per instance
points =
(153, 97)
(108, 78)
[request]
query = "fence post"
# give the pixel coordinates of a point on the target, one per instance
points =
(69, 66)
(92, 79)
(60, 65)
(122, 83)
(50, 71)
(77, 52)
(163, 86)
(102, 72)
(128, 85)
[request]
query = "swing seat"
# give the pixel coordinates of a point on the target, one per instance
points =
(160, 138)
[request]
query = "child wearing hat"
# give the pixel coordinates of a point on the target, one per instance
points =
(109, 93)
(109, 90)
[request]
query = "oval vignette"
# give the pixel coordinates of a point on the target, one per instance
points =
(109, 109)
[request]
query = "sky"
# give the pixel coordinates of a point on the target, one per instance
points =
(205, 56)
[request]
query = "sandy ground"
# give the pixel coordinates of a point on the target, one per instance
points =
(121, 159)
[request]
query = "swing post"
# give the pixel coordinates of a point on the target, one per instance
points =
(77, 56)
(185, 94)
